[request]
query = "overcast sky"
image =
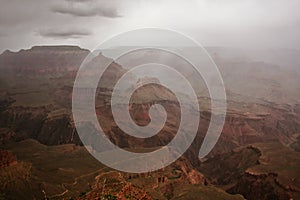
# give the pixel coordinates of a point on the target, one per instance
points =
(237, 23)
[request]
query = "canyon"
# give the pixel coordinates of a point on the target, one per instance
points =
(37, 127)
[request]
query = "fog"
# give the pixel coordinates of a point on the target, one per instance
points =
(231, 23)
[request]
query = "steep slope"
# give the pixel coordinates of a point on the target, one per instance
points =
(39, 60)
(258, 171)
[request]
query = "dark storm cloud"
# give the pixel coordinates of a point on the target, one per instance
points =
(85, 8)
(64, 33)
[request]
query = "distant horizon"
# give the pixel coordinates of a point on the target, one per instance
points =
(247, 23)
(90, 49)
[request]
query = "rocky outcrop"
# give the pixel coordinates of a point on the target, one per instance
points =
(265, 187)
(296, 144)
(7, 136)
(58, 128)
(26, 122)
(226, 168)
(7, 158)
(258, 123)
(40, 60)
(50, 128)
(259, 171)
(5, 101)
(112, 185)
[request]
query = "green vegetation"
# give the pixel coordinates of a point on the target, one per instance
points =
(61, 171)
(110, 197)
(200, 192)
